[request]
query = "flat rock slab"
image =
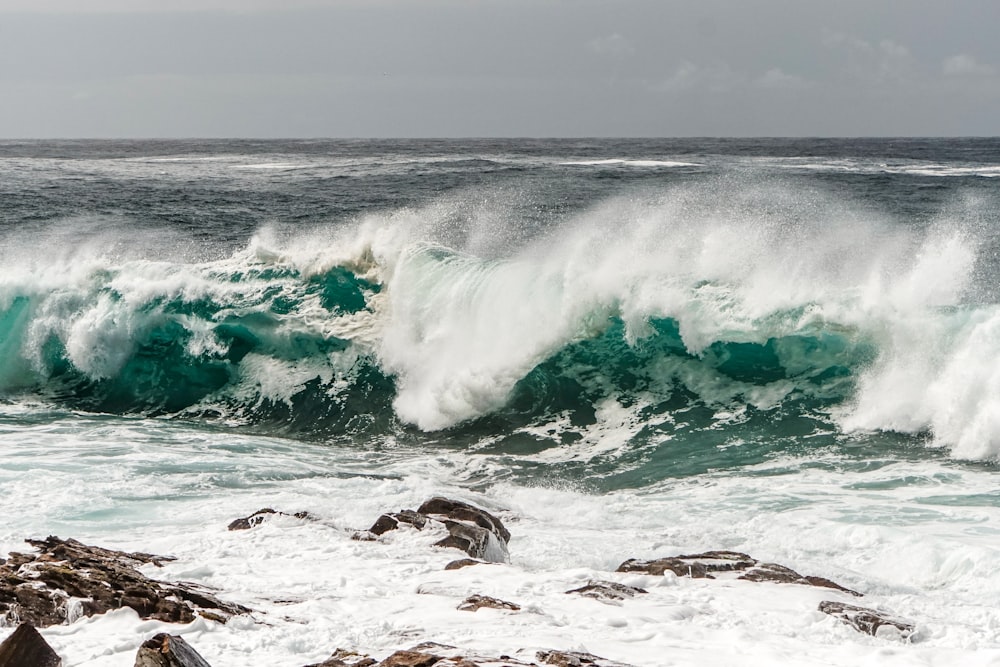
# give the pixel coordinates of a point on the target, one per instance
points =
(262, 515)
(779, 574)
(432, 654)
(463, 562)
(165, 650)
(607, 590)
(869, 621)
(26, 648)
(344, 658)
(715, 564)
(575, 659)
(476, 602)
(37, 588)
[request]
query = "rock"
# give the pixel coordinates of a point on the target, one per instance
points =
(463, 562)
(475, 541)
(344, 658)
(459, 511)
(575, 659)
(696, 566)
(26, 648)
(779, 574)
(662, 565)
(165, 650)
(410, 659)
(711, 564)
(607, 590)
(868, 621)
(388, 522)
(262, 515)
(476, 602)
(37, 588)
(471, 529)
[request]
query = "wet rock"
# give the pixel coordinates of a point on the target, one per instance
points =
(165, 650)
(696, 566)
(344, 658)
(463, 562)
(779, 574)
(262, 515)
(575, 659)
(26, 648)
(661, 565)
(68, 578)
(388, 522)
(712, 564)
(607, 590)
(868, 621)
(410, 659)
(471, 529)
(475, 541)
(459, 511)
(476, 602)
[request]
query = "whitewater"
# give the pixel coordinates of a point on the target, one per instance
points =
(626, 349)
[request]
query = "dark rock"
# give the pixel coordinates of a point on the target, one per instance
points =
(607, 590)
(36, 587)
(26, 648)
(410, 659)
(868, 621)
(779, 574)
(823, 582)
(463, 562)
(575, 659)
(712, 563)
(474, 540)
(661, 565)
(696, 566)
(165, 650)
(476, 602)
(471, 529)
(262, 515)
(344, 658)
(388, 522)
(722, 561)
(459, 511)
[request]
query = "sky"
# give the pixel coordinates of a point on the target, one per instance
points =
(496, 68)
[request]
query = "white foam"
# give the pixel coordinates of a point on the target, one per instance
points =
(630, 163)
(165, 488)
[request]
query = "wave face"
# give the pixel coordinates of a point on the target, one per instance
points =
(714, 313)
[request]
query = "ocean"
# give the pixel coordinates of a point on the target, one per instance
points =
(626, 347)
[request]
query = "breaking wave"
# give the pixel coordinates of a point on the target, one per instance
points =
(663, 315)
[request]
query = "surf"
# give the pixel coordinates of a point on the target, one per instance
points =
(721, 301)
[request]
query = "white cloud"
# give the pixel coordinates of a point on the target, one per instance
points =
(776, 78)
(613, 45)
(876, 63)
(716, 78)
(965, 65)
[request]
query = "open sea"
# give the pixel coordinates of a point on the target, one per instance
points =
(626, 348)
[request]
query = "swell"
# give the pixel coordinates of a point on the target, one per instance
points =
(673, 320)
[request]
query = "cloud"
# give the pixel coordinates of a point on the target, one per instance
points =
(777, 79)
(964, 64)
(885, 61)
(613, 45)
(716, 78)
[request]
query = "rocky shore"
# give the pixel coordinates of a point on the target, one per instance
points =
(64, 580)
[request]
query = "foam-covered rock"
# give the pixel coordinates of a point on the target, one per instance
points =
(869, 621)
(67, 578)
(165, 650)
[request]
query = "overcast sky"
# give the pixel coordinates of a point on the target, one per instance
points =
(441, 68)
